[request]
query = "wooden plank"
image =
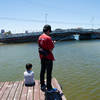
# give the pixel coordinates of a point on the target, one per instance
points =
(56, 85)
(30, 93)
(56, 94)
(1, 84)
(3, 89)
(7, 91)
(13, 90)
(52, 96)
(36, 90)
(42, 94)
(24, 93)
(18, 91)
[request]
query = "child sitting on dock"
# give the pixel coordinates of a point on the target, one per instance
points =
(29, 75)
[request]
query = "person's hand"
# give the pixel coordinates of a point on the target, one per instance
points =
(54, 42)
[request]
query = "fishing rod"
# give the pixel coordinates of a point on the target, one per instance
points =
(60, 39)
(63, 38)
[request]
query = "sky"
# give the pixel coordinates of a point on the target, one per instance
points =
(20, 15)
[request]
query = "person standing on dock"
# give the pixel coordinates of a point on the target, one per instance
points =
(45, 42)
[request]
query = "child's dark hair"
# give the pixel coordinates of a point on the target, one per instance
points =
(28, 65)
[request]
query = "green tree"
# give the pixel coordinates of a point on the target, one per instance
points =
(9, 32)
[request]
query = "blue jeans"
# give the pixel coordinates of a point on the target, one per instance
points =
(46, 64)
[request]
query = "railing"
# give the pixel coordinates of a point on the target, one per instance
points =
(54, 31)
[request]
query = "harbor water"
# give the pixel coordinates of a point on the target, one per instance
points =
(76, 66)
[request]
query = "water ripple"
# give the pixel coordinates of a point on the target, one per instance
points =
(77, 66)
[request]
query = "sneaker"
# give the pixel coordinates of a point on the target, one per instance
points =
(52, 90)
(43, 87)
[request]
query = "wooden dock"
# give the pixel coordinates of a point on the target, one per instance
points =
(18, 91)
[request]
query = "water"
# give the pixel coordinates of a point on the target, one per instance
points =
(77, 66)
(76, 37)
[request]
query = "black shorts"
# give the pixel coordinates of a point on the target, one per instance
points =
(33, 84)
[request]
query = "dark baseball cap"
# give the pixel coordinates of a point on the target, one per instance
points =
(46, 27)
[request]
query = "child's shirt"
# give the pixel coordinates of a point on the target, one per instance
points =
(29, 77)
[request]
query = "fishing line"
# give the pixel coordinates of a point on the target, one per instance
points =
(60, 39)
(63, 38)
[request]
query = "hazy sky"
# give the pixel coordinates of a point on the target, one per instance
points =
(32, 15)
